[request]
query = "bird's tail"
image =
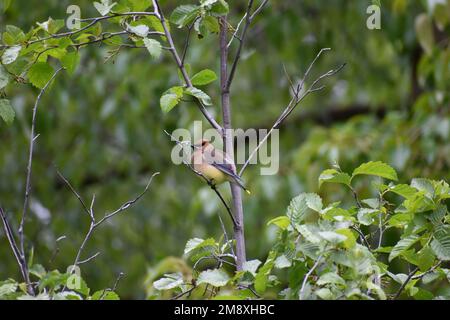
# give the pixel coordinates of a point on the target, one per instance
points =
(239, 182)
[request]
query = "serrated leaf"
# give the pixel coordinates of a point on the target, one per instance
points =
(298, 208)
(441, 243)
(310, 233)
(251, 266)
(424, 31)
(6, 111)
(424, 185)
(282, 262)
(366, 216)
(39, 74)
(153, 47)
(199, 94)
(403, 245)
(332, 175)
(215, 277)
(262, 276)
(141, 30)
(332, 236)
(204, 77)
(376, 168)
(70, 61)
(4, 77)
(105, 295)
(220, 8)
(281, 222)
(211, 24)
(171, 98)
(169, 281)
(197, 243)
(104, 7)
(404, 190)
(184, 15)
(8, 287)
(10, 55)
(330, 278)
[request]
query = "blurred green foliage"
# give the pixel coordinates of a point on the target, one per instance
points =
(103, 128)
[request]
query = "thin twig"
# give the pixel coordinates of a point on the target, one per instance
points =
(294, 102)
(94, 224)
(305, 280)
(12, 243)
(248, 21)
(402, 287)
(28, 178)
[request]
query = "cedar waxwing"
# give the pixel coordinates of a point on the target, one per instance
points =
(214, 164)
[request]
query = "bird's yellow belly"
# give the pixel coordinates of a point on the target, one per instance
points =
(212, 173)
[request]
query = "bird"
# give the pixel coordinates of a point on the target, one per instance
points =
(215, 165)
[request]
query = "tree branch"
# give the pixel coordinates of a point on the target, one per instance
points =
(228, 144)
(294, 102)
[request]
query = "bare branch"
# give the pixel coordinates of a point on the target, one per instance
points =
(305, 280)
(73, 191)
(294, 102)
(15, 249)
(238, 211)
(94, 224)
(248, 21)
(402, 287)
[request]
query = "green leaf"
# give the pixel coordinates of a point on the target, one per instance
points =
(171, 98)
(310, 232)
(297, 209)
(197, 243)
(424, 185)
(6, 111)
(366, 216)
(281, 222)
(4, 77)
(332, 237)
(70, 61)
(262, 276)
(350, 240)
(199, 94)
(10, 55)
(211, 24)
(203, 77)
(220, 8)
(215, 277)
(153, 47)
(441, 243)
(140, 30)
(403, 245)
(104, 7)
(8, 287)
(184, 15)
(105, 295)
(169, 281)
(424, 32)
(404, 190)
(332, 175)
(376, 168)
(330, 278)
(39, 74)
(314, 202)
(251, 266)
(282, 262)
(38, 271)
(426, 259)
